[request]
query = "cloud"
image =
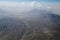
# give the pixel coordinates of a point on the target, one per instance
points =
(35, 4)
(19, 8)
(48, 7)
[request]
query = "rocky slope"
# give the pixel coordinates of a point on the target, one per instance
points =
(37, 25)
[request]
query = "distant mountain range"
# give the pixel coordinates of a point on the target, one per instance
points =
(37, 25)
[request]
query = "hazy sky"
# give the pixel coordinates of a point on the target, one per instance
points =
(16, 7)
(34, 0)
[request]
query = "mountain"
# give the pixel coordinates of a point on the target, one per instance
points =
(37, 25)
